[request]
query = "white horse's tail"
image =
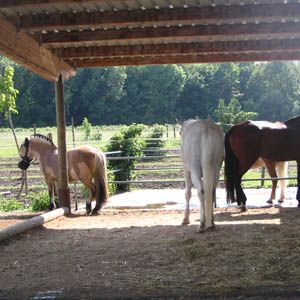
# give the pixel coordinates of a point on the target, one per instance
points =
(100, 179)
(211, 165)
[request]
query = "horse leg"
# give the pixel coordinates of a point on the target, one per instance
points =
(188, 194)
(88, 203)
(202, 210)
(240, 195)
(51, 191)
(282, 170)
(272, 172)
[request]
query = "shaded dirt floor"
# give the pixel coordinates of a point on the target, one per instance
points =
(147, 254)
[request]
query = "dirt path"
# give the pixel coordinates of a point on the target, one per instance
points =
(147, 254)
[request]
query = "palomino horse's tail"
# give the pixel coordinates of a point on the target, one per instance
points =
(101, 183)
(231, 169)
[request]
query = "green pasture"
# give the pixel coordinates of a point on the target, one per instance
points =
(99, 137)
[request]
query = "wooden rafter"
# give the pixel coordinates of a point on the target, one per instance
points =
(197, 15)
(38, 3)
(179, 48)
(26, 51)
(150, 33)
(186, 59)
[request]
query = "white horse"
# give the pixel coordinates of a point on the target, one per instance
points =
(202, 154)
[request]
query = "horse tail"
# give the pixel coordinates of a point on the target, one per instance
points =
(213, 154)
(100, 179)
(230, 169)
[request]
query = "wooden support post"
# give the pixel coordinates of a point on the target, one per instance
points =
(63, 189)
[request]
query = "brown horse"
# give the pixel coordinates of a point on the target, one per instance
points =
(85, 164)
(247, 141)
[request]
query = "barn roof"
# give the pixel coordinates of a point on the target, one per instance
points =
(50, 37)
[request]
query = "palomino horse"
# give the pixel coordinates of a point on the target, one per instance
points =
(85, 164)
(247, 141)
(202, 153)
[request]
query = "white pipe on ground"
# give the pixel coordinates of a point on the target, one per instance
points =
(32, 223)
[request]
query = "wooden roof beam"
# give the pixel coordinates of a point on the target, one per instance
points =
(178, 48)
(197, 15)
(27, 52)
(150, 33)
(12, 4)
(187, 59)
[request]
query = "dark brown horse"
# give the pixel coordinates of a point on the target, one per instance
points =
(247, 141)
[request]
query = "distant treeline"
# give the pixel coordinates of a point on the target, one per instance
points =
(159, 94)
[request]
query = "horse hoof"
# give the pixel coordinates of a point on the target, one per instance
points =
(95, 213)
(51, 207)
(270, 201)
(243, 208)
(280, 201)
(185, 222)
(211, 228)
(201, 228)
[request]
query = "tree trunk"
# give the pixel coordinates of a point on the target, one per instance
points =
(24, 172)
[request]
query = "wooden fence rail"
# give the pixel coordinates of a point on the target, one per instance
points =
(9, 170)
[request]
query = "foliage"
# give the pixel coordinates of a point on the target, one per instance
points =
(231, 113)
(154, 140)
(87, 127)
(8, 93)
(160, 94)
(9, 204)
(129, 141)
(39, 201)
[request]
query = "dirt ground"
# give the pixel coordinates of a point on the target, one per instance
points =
(147, 254)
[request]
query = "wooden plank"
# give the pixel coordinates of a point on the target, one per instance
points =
(39, 3)
(167, 33)
(21, 227)
(187, 59)
(183, 16)
(26, 51)
(179, 48)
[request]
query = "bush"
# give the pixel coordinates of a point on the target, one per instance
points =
(9, 204)
(154, 140)
(130, 143)
(39, 201)
(87, 127)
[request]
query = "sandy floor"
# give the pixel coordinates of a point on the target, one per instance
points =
(147, 254)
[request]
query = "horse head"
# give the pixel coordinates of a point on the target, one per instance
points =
(25, 159)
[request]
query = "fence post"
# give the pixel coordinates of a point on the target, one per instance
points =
(263, 173)
(75, 186)
(174, 129)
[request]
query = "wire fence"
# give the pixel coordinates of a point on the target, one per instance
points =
(10, 174)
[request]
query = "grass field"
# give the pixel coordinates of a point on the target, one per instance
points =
(8, 149)
(8, 146)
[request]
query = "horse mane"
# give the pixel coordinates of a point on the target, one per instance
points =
(43, 138)
(295, 121)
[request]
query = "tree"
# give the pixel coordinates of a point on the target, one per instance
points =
(8, 95)
(231, 113)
